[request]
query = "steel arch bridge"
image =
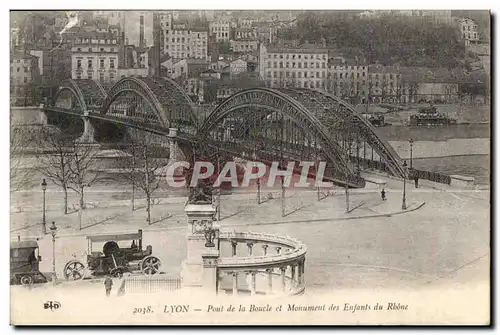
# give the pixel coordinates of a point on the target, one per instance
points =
(286, 124)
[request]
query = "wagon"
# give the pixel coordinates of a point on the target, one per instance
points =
(24, 263)
(114, 260)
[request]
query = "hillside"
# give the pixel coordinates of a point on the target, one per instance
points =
(387, 39)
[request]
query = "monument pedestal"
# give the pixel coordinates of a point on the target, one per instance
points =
(200, 219)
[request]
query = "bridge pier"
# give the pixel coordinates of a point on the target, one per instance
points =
(43, 116)
(88, 130)
(175, 154)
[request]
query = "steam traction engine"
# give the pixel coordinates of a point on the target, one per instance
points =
(114, 260)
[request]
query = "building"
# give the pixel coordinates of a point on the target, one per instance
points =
(131, 72)
(348, 79)
(298, 67)
(24, 79)
(182, 42)
(245, 22)
(431, 85)
(244, 45)
(189, 68)
(245, 34)
(384, 84)
(219, 65)
(221, 29)
(238, 66)
(468, 31)
(95, 56)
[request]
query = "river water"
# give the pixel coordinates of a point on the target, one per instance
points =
(461, 149)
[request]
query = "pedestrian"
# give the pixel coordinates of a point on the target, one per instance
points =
(383, 194)
(108, 284)
(416, 181)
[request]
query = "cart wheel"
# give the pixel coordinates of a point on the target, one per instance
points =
(116, 272)
(74, 270)
(27, 280)
(150, 265)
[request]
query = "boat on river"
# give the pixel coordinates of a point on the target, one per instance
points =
(430, 116)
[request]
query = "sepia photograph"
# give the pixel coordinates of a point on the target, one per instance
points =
(250, 167)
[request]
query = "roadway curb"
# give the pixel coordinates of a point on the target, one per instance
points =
(147, 229)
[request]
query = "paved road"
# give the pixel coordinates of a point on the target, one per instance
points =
(447, 241)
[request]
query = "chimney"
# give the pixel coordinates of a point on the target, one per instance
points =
(141, 31)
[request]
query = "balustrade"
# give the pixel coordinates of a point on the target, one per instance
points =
(259, 271)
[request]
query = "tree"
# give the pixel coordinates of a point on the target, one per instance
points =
(54, 163)
(21, 172)
(147, 161)
(82, 173)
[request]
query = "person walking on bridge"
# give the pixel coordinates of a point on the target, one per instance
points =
(383, 194)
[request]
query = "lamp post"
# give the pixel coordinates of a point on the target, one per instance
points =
(403, 206)
(411, 153)
(53, 230)
(44, 223)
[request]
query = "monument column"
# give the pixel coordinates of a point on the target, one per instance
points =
(202, 239)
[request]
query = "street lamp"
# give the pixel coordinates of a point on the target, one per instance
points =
(403, 206)
(44, 223)
(53, 230)
(411, 153)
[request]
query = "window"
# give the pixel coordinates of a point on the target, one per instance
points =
(112, 49)
(112, 63)
(101, 63)
(275, 64)
(90, 49)
(25, 80)
(26, 70)
(305, 65)
(364, 74)
(90, 63)
(269, 64)
(78, 49)
(78, 76)
(317, 74)
(335, 76)
(18, 69)
(341, 76)
(317, 84)
(111, 76)
(305, 74)
(101, 77)
(102, 49)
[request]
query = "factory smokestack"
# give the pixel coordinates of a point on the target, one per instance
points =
(141, 32)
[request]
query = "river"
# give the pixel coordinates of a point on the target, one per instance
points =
(457, 149)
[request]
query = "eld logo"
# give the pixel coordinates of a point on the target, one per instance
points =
(52, 305)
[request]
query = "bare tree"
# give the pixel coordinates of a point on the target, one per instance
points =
(21, 173)
(82, 172)
(147, 162)
(55, 159)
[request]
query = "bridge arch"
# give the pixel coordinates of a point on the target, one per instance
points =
(70, 89)
(88, 94)
(168, 104)
(266, 105)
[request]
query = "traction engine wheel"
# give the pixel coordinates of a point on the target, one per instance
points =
(74, 270)
(27, 280)
(150, 265)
